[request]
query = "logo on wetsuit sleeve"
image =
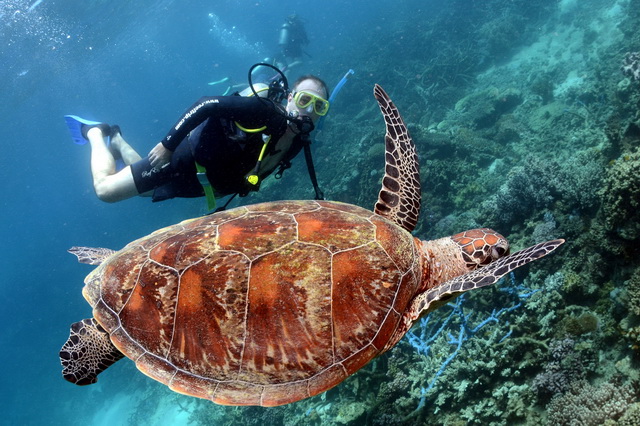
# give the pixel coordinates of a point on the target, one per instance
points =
(194, 110)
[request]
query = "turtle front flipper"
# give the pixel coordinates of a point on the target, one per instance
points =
(484, 276)
(399, 198)
(87, 353)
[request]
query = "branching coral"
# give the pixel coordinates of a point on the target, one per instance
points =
(586, 404)
(563, 369)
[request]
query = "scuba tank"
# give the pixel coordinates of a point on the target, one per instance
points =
(284, 36)
(259, 89)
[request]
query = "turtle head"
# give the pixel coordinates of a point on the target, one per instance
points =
(446, 258)
(467, 261)
(481, 246)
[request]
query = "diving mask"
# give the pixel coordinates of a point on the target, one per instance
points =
(304, 99)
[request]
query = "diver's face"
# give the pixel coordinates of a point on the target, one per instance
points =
(309, 86)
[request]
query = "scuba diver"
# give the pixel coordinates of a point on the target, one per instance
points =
(221, 145)
(292, 37)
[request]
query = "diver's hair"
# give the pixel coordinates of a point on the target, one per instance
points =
(316, 79)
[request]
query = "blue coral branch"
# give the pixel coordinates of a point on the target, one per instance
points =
(421, 338)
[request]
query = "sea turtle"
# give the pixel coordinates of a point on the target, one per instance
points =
(271, 303)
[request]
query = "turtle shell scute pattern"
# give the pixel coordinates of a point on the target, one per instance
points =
(260, 305)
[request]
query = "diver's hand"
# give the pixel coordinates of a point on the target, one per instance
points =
(159, 155)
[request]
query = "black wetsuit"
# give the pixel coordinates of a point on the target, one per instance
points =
(208, 133)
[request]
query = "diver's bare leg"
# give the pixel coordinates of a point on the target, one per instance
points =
(110, 186)
(128, 154)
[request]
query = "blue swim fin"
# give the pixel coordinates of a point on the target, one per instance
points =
(75, 123)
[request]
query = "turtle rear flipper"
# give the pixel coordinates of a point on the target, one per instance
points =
(91, 255)
(87, 353)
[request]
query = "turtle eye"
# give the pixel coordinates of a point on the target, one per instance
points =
(499, 251)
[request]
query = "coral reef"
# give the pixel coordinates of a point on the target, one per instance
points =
(586, 404)
(583, 324)
(565, 367)
(621, 196)
(631, 65)
(485, 107)
(631, 417)
(633, 293)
